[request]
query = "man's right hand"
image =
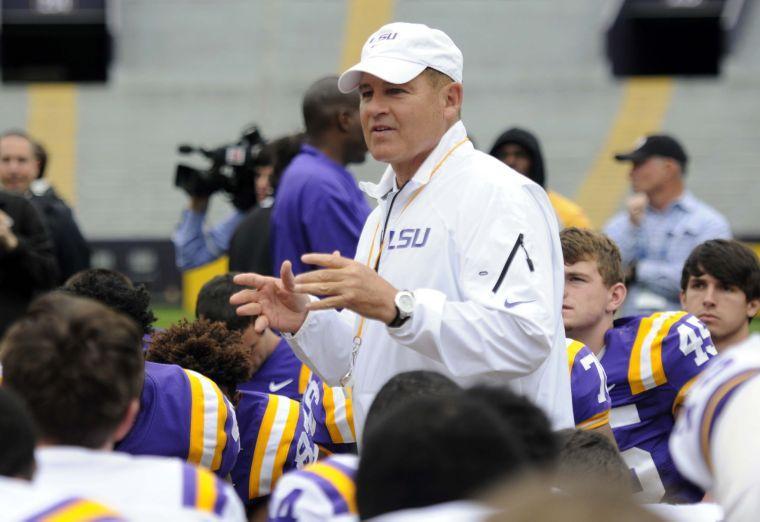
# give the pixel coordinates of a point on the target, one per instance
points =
(637, 205)
(272, 300)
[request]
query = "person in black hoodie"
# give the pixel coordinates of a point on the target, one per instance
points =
(21, 171)
(520, 150)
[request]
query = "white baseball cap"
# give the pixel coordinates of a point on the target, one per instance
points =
(399, 52)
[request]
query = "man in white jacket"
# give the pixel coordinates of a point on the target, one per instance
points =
(459, 268)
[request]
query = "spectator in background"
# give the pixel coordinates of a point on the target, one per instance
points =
(27, 263)
(22, 168)
(521, 150)
(250, 246)
(319, 207)
(661, 225)
(720, 284)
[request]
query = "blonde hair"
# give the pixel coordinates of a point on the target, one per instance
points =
(582, 244)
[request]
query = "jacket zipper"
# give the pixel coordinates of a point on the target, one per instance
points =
(518, 244)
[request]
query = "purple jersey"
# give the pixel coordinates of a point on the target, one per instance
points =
(183, 414)
(650, 362)
(588, 384)
(329, 411)
(282, 373)
(273, 440)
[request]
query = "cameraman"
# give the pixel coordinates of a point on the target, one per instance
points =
(194, 246)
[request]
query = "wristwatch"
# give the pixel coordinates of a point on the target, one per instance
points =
(404, 302)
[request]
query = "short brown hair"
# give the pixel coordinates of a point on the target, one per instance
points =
(582, 244)
(77, 364)
(206, 347)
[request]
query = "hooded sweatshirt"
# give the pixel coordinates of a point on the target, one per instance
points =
(529, 142)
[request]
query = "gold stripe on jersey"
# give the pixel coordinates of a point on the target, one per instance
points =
(645, 370)
(206, 490)
(80, 511)
(303, 379)
(573, 347)
(682, 393)
(284, 443)
(597, 421)
(350, 410)
(712, 406)
(221, 435)
(261, 447)
(196, 419)
(206, 443)
(340, 481)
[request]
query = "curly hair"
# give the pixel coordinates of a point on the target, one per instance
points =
(206, 347)
(116, 291)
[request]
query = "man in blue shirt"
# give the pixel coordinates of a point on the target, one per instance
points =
(319, 207)
(662, 224)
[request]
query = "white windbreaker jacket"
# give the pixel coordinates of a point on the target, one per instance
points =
(478, 244)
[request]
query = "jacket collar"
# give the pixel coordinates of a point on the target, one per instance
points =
(387, 183)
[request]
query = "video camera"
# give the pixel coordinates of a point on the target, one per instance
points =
(233, 169)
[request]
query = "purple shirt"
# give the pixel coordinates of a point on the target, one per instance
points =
(318, 208)
(164, 425)
(649, 362)
(282, 373)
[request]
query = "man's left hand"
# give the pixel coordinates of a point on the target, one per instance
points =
(345, 283)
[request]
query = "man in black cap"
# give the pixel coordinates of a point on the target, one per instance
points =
(661, 225)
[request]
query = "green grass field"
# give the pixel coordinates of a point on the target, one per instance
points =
(167, 316)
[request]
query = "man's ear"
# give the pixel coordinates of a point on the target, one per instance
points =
(616, 297)
(753, 307)
(453, 94)
(682, 297)
(128, 421)
(343, 120)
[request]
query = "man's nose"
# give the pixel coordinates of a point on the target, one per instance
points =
(709, 297)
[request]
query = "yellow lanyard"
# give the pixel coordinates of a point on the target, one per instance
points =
(357, 341)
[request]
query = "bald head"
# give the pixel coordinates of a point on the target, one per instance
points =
(323, 102)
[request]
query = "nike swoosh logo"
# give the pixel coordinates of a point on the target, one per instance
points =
(609, 388)
(274, 387)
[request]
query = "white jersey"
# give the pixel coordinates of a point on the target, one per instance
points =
(692, 437)
(140, 488)
(19, 500)
(478, 244)
(703, 512)
(325, 490)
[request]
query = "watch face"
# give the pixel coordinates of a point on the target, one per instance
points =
(406, 303)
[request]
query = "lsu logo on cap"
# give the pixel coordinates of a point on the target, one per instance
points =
(382, 37)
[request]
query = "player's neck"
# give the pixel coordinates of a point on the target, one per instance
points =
(724, 343)
(268, 342)
(593, 335)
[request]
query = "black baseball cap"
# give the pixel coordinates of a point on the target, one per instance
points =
(655, 145)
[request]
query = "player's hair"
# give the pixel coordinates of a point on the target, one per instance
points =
(528, 422)
(206, 347)
(77, 364)
(429, 450)
(533, 503)
(116, 291)
(405, 385)
(18, 437)
(582, 244)
(213, 303)
(591, 458)
(436, 77)
(322, 101)
(728, 261)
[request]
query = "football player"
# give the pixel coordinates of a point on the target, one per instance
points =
(715, 441)
(649, 361)
(79, 367)
(720, 284)
(277, 370)
(588, 386)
